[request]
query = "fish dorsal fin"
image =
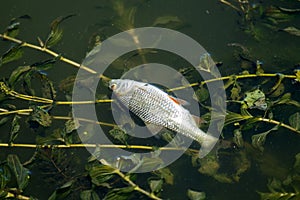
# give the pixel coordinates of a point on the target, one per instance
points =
(154, 129)
(179, 101)
(198, 120)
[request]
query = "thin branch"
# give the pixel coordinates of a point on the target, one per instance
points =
(278, 123)
(229, 77)
(230, 5)
(66, 146)
(52, 53)
(130, 182)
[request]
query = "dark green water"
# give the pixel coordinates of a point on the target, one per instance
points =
(213, 25)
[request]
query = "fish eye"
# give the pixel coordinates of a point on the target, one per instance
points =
(113, 86)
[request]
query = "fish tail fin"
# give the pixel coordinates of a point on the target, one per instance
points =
(207, 145)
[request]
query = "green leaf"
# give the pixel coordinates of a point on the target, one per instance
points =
(195, 195)
(255, 99)
(292, 30)
(21, 173)
(279, 196)
(46, 64)
(55, 34)
(232, 117)
(101, 173)
(71, 125)
(168, 21)
(294, 121)
(89, 195)
(119, 193)
(5, 176)
(3, 193)
(48, 90)
(13, 29)
(14, 53)
(62, 192)
(235, 92)
(297, 163)
(17, 74)
(156, 185)
(41, 116)
(152, 163)
(166, 174)
(54, 138)
(119, 135)
(3, 120)
(15, 127)
(27, 83)
(238, 138)
(201, 94)
(258, 140)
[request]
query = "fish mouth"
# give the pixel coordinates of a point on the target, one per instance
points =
(112, 85)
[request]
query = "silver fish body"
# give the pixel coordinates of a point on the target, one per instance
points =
(156, 107)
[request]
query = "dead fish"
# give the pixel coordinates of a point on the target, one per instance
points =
(157, 108)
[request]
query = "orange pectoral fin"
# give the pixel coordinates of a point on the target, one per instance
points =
(178, 101)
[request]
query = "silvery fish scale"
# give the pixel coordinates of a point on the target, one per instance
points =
(154, 106)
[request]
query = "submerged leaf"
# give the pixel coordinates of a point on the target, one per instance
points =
(258, 140)
(232, 117)
(238, 138)
(71, 125)
(201, 94)
(48, 90)
(56, 32)
(15, 127)
(166, 174)
(292, 30)
(89, 195)
(46, 64)
(41, 116)
(21, 173)
(13, 29)
(55, 137)
(17, 74)
(156, 185)
(195, 195)
(119, 135)
(101, 173)
(235, 92)
(294, 121)
(297, 163)
(278, 195)
(119, 193)
(255, 99)
(5, 176)
(14, 53)
(3, 120)
(62, 192)
(168, 21)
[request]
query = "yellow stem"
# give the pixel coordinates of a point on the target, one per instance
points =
(228, 77)
(135, 186)
(278, 123)
(50, 52)
(150, 148)
(19, 112)
(229, 4)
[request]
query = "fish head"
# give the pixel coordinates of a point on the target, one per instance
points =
(122, 86)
